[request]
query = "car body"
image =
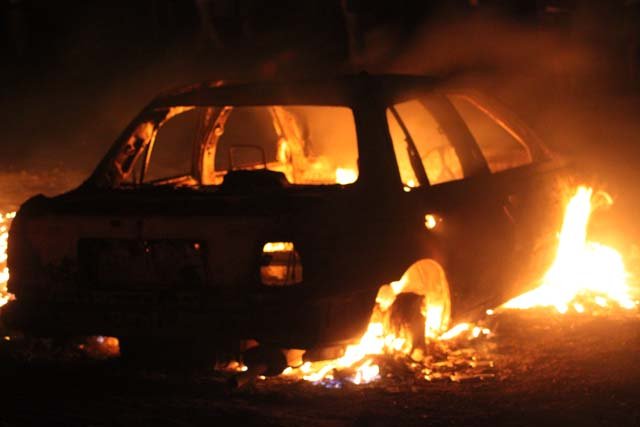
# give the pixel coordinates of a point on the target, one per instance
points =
(292, 204)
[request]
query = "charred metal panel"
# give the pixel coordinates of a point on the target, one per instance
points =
(142, 264)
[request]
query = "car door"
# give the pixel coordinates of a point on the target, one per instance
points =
(531, 182)
(451, 200)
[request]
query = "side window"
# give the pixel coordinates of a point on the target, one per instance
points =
(172, 152)
(411, 121)
(501, 147)
(309, 145)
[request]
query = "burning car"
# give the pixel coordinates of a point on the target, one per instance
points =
(275, 211)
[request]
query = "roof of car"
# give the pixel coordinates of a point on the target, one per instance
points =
(342, 90)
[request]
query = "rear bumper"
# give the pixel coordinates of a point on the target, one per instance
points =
(292, 320)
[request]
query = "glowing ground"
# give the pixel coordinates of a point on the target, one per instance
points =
(549, 369)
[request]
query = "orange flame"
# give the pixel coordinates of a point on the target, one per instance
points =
(380, 338)
(5, 220)
(581, 269)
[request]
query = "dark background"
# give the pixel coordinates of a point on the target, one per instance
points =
(75, 72)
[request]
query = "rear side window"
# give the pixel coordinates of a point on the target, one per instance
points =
(199, 146)
(419, 142)
(501, 147)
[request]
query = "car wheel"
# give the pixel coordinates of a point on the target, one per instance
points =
(423, 302)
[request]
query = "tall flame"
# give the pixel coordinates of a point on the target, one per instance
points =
(581, 269)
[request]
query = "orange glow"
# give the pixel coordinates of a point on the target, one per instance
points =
(281, 266)
(101, 346)
(582, 269)
(5, 221)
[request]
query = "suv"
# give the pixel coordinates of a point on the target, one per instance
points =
(275, 211)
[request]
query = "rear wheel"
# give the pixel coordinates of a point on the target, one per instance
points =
(419, 302)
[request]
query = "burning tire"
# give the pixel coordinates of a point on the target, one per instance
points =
(407, 314)
(418, 306)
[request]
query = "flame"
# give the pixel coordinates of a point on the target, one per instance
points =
(346, 176)
(582, 269)
(380, 338)
(430, 221)
(455, 331)
(5, 221)
(271, 247)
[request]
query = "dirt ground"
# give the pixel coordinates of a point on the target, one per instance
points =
(549, 369)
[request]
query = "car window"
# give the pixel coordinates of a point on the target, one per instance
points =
(501, 147)
(309, 145)
(411, 122)
(172, 153)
